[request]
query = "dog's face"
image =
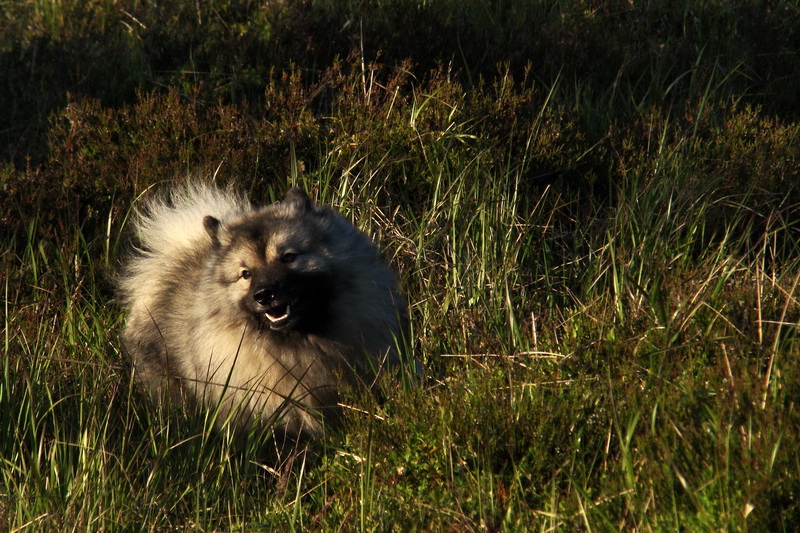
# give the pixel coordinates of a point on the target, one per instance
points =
(273, 265)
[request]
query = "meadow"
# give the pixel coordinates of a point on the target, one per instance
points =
(592, 207)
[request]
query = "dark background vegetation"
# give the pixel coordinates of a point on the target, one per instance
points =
(234, 80)
(649, 150)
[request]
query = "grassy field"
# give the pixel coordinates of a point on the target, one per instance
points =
(593, 207)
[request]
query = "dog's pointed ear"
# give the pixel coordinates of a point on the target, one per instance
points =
(212, 226)
(298, 199)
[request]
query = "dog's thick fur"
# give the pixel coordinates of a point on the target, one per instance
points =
(264, 313)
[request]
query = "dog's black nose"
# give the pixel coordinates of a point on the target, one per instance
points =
(264, 295)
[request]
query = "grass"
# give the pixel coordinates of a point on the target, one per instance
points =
(601, 264)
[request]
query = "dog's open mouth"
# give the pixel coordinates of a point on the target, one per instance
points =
(279, 316)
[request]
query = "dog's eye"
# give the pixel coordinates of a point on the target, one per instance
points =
(245, 274)
(289, 257)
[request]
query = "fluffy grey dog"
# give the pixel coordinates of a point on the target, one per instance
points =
(260, 314)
